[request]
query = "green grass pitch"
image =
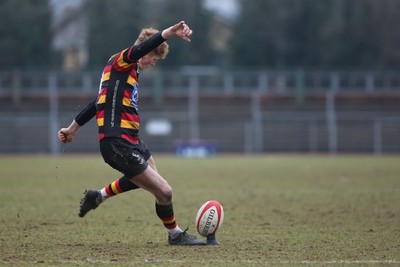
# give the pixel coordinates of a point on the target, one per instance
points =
(279, 210)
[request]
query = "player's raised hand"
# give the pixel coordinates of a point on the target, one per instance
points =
(181, 29)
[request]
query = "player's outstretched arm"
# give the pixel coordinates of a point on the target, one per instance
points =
(66, 135)
(181, 29)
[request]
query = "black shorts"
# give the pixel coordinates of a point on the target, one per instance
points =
(125, 157)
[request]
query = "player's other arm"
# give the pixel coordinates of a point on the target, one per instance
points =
(138, 51)
(66, 135)
(180, 30)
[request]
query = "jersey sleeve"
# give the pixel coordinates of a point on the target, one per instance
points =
(140, 50)
(86, 114)
(128, 57)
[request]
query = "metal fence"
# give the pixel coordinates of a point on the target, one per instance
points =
(211, 80)
(253, 129)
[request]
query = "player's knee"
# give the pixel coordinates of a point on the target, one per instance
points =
(166, 194)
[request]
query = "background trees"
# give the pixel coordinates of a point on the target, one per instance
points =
(363, 34)
(317, 34)
(25, 34)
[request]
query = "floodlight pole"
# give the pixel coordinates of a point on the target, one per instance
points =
(331, 114)
(53, 114)
(193, 106)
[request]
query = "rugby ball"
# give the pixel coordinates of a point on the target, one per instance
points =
(209, 218)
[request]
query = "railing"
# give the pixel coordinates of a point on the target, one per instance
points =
(210, 80)
(260, 131)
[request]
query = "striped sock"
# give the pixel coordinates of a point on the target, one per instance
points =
(166, 215)
(119, 186)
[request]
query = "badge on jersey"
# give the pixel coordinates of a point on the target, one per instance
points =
(135, 97)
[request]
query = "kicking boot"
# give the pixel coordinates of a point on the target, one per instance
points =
(90, 201)
(185, 239)
(211, 240)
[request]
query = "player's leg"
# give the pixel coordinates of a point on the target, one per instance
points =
(116, 159)
(152, 163)
(163, 195)
(114, 155)
(124, 184)
(121, 185)
(153, 182)
(93, 198)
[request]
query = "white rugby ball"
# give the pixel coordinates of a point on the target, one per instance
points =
(209, 218)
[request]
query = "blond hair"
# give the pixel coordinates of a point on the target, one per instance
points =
(161, 51)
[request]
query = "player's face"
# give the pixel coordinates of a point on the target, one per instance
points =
(148, 61)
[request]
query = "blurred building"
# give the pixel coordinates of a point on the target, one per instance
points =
(225, 13)
(70, 28)
(70, 32)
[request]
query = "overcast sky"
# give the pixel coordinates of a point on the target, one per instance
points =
(226, 8)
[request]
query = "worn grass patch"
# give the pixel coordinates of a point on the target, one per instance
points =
(279, 210)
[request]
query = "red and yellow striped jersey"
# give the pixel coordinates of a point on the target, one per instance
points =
(117, 101)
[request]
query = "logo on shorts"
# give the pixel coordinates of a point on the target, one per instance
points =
(138, 157)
